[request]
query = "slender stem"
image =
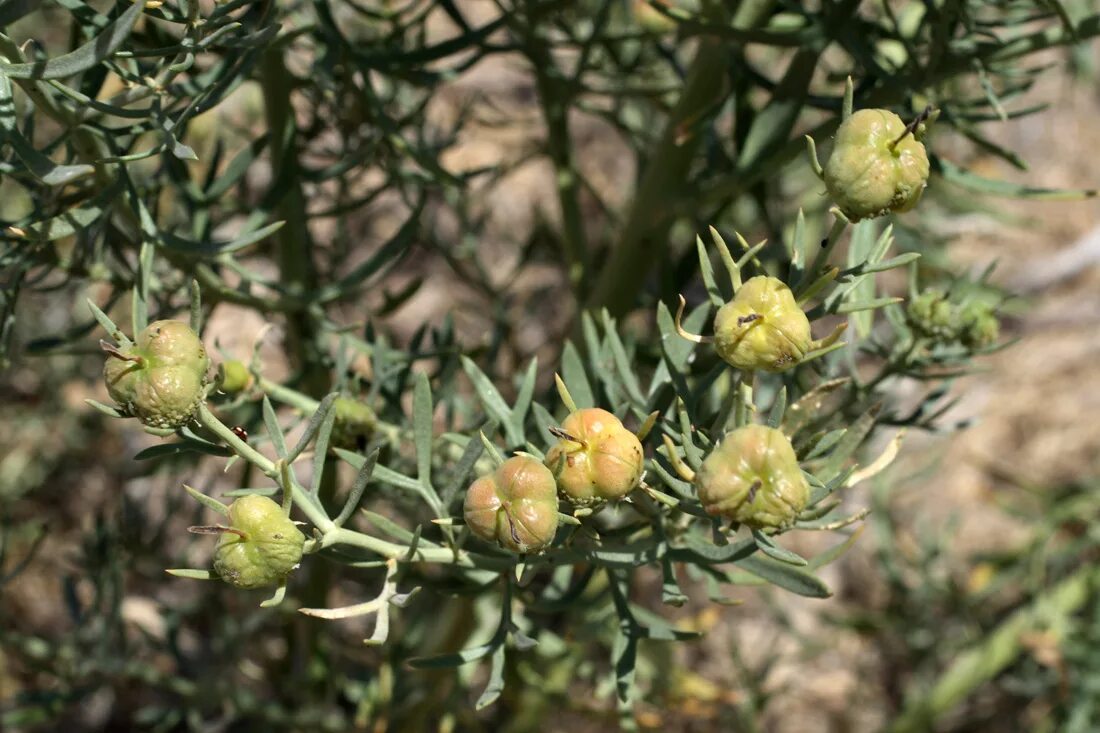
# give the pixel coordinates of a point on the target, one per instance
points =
(822, 255)
(745, 406)
(313, 511)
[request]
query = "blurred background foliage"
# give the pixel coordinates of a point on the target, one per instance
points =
(467, 177)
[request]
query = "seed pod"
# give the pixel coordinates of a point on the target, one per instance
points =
(598, 461)
(762, 327)
(753, 477)
(235, 377)
(262, 547)
(876, 166)
(353, 421)
(160, 379)
(515, 506)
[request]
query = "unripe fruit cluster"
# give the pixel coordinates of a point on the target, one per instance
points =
(596, 459)
(262, 546)
(753, 477)
(515, 506)
(160, 379)
(876, 166)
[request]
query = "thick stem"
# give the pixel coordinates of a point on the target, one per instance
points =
(555, 98)
(644, 236)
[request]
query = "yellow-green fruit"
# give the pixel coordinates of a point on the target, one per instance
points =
(235, 377)
(160, 379)
(753, 477)
(353, 421)
(515, 506)
(762, 327)
(263, 548)
(867, 174)
(604, 463)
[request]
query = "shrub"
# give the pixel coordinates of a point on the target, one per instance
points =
(180, 158)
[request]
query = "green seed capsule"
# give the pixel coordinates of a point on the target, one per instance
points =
(161, 378)
(753, 478)
(875, 167)
(354, 421)
(600, 460)
(263, 547)
(235, 377)
(762, 327)
(515, 506)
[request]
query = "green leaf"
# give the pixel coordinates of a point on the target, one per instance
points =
(422, 428)
(622, 363)
(207, 501)
(84, 57)
(316, 421)
(974, 182)
(271, 423)
(495, 685)
(474, 449)
(859, 249)
(357, 489)
(524, 396)
(493, 402)
(785, 576)
(166, 450)
(454, 659)
(854, 436)
(768, 546)
(575, 378)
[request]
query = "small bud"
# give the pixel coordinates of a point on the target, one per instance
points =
(932, 315)
(261, 547)
(753, 477)
(515, 506)
(877, 166)
(596, 458)
(235, 377)
(762, 327)
(979, 325)
(354, 421)
(160, 379)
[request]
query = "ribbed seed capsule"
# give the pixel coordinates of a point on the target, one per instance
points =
(160, 379)
(515, 506)
(762, 327)
(597, 459)
(876, 166)
(752, 477)
(263, 546)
